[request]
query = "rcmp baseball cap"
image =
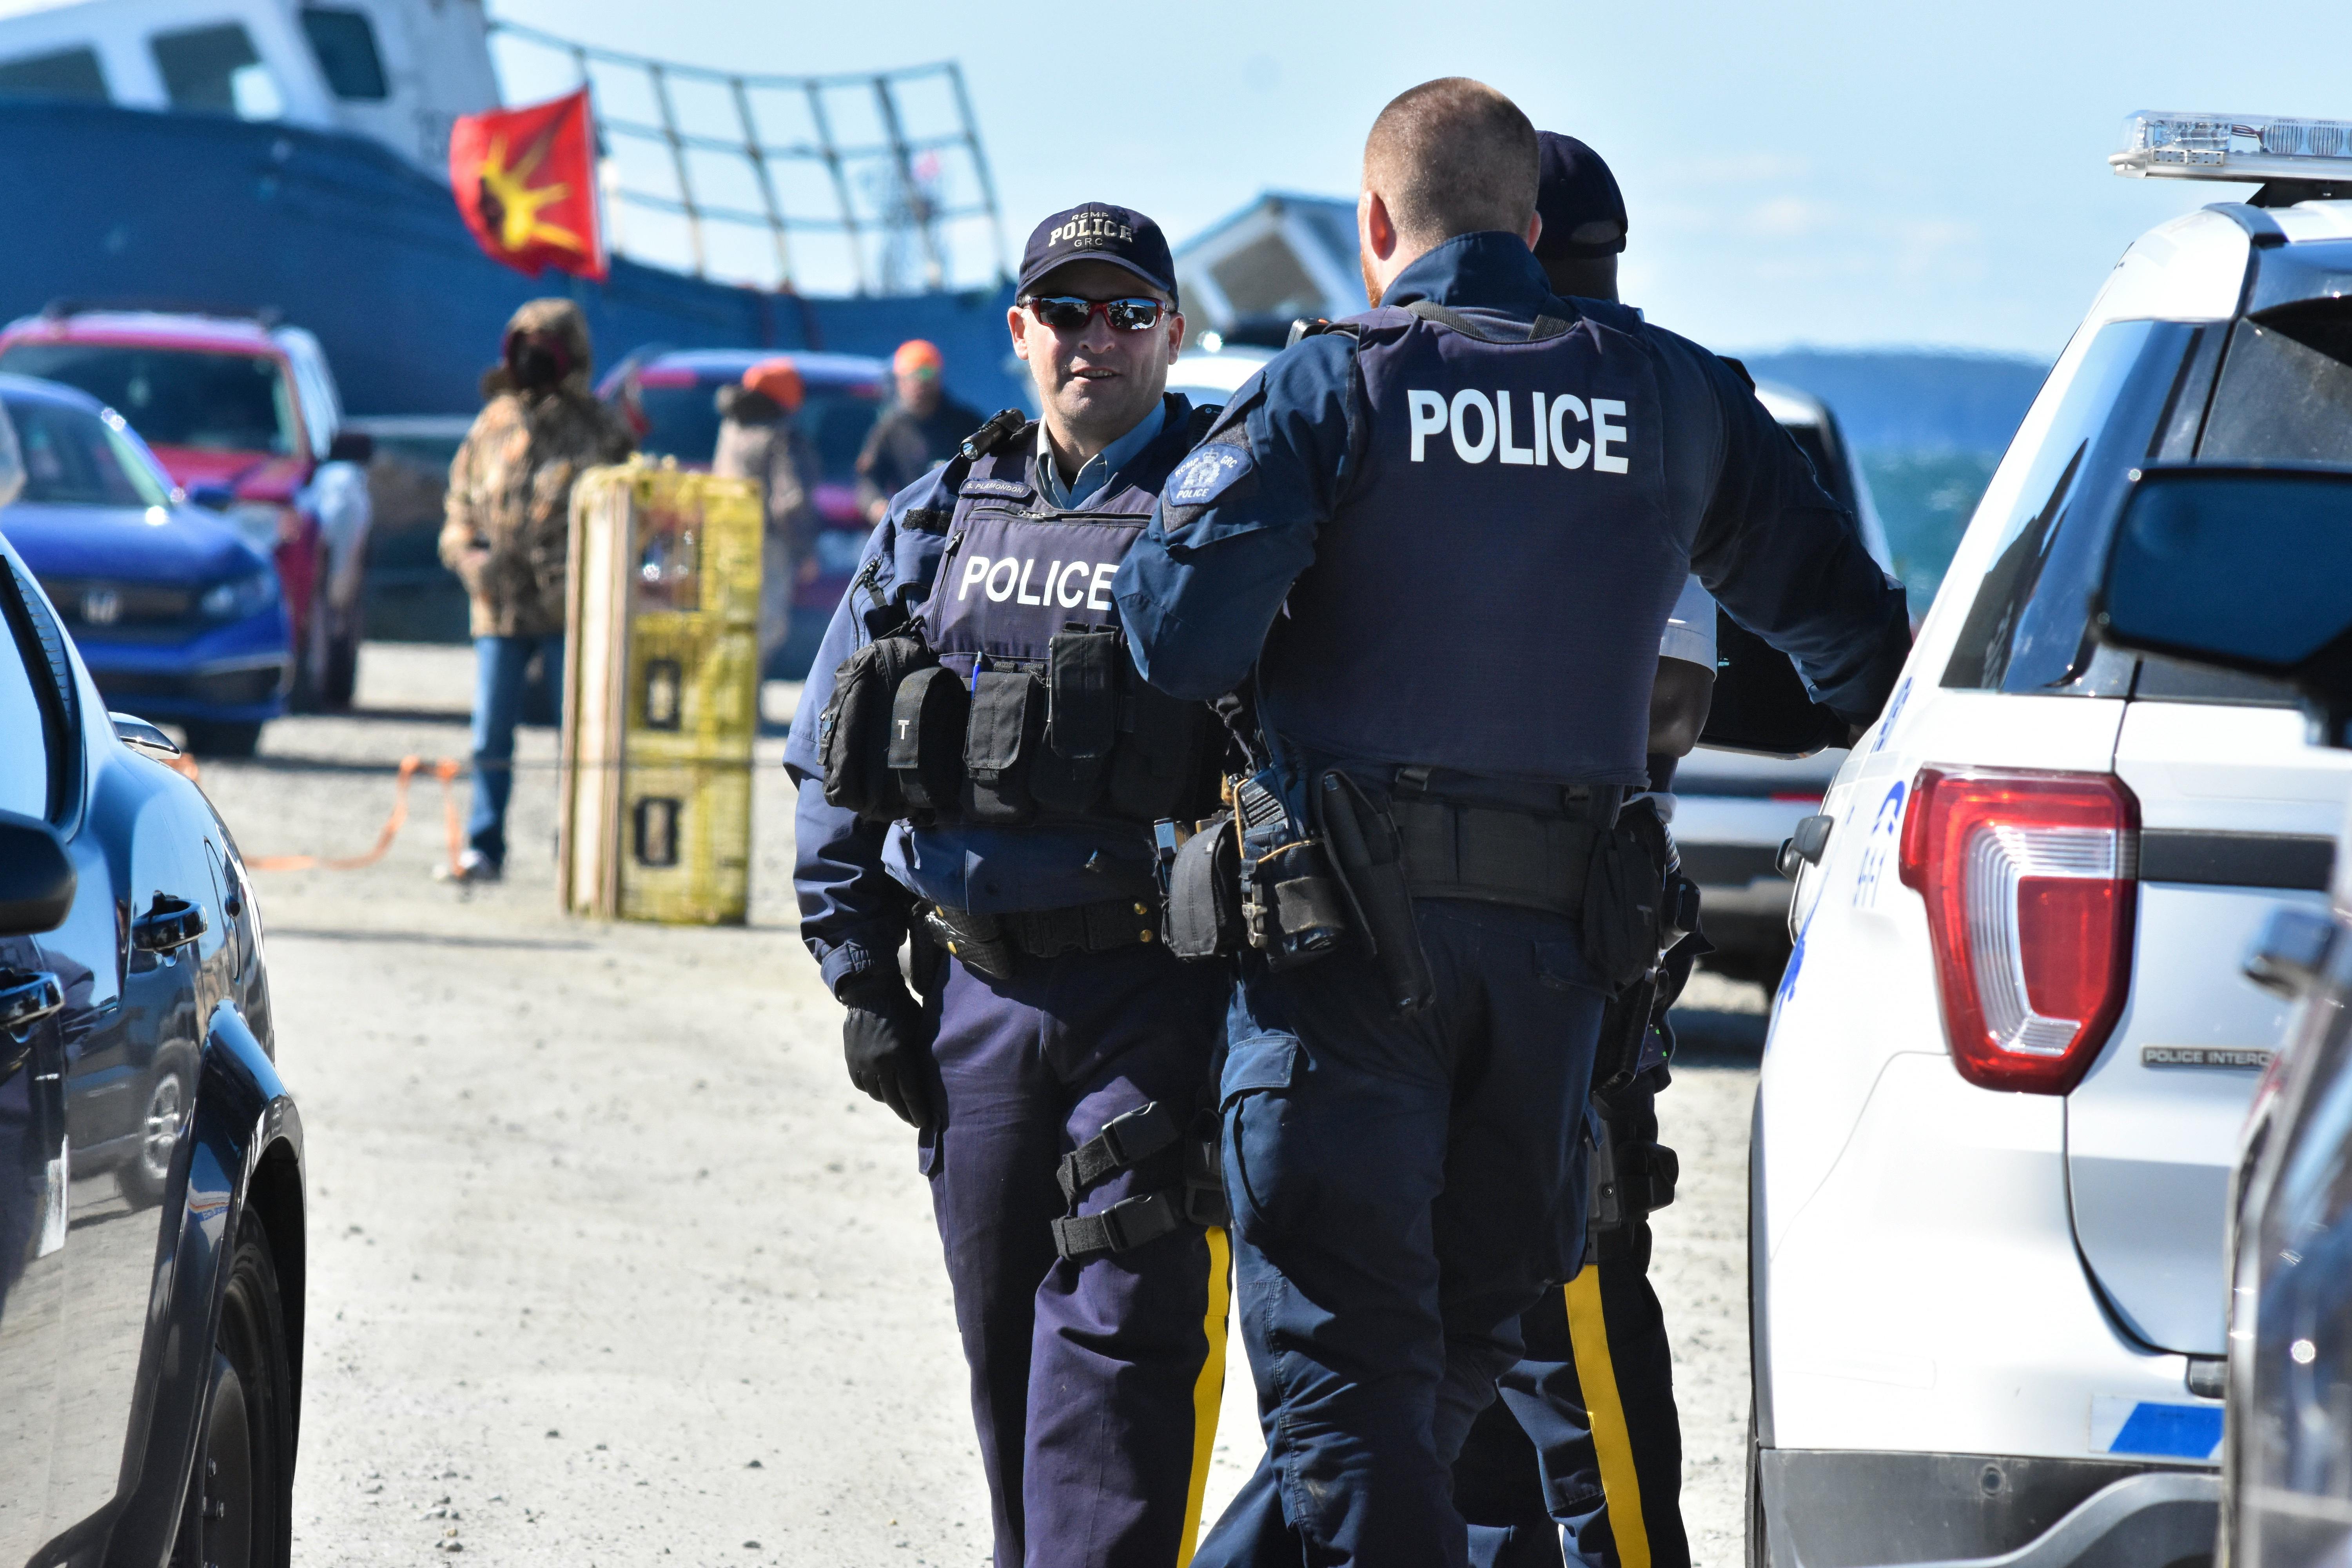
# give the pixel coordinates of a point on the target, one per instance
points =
(1577, 197)
(1097, 231)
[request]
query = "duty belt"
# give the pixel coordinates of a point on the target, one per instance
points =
(986, 943)
(1501, 853)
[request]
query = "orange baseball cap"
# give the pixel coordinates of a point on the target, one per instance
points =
(779, 380)
(915, 356)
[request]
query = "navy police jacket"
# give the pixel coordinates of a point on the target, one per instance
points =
(857, 881)
(1451, 533)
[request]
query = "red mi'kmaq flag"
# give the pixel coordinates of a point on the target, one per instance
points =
(525, 181)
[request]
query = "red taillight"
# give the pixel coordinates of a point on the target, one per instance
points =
(2029, 883)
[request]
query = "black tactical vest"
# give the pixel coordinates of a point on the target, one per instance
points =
(1490, 595)
(1013, 699)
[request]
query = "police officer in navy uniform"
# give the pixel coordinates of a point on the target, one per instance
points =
(1585, 1450)
(979, 768)
(1435, 550)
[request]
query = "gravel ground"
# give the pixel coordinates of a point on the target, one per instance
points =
(594, 1213)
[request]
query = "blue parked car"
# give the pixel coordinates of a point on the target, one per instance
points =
(176, 616)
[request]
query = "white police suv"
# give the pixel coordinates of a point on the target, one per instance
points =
(2010, 1054)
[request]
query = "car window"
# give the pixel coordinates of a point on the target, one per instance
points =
(173, 397)
(72, 457)
(2027, 624)
(28, 729)
(2286, 391)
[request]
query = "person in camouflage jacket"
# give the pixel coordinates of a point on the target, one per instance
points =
(506, 534)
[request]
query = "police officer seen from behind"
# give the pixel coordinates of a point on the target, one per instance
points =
(1438, 546)
(1594, 1386)
(979, 762)
(916, 434)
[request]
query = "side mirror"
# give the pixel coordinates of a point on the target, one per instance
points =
(37, 879)
(212, 497)
(351, 446)
(2246, 569)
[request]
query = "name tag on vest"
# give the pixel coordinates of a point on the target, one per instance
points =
(1009, 489)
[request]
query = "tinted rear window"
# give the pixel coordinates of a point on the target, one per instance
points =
(175, 398)
(683, 423)
(2285, 392)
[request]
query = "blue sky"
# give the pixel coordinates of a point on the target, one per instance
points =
(1833, 174)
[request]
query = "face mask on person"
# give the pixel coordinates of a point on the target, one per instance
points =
(536, 362)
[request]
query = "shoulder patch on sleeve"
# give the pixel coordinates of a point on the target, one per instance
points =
(1206, 474)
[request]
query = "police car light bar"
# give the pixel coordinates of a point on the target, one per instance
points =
(2162, 145)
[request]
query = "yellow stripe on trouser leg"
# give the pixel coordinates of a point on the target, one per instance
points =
(1208, 1390)
(1588, 1334)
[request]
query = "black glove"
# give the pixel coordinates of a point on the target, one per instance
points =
(887, 1045)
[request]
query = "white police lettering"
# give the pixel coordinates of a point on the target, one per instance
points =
(1482, 428)
(1605, 435)
(1428, 417)
(1067, 584)
(1471, 451)
(1090, 226)
(1564, 408)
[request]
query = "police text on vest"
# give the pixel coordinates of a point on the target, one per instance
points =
(1551, 423)
(1067, 584)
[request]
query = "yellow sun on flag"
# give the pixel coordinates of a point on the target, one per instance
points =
(511, 203)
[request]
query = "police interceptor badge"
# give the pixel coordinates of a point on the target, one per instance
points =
(1206, 475)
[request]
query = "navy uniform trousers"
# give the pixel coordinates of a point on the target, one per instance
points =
(1094, 1385)
(1402, 1191)
(1585, 1443)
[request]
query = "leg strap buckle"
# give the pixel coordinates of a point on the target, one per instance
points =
(1124, 1140)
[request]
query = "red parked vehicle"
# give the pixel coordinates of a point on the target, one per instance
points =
(243, 416)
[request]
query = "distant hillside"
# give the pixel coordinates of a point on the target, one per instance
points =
(1928, 427)
(1909, 400)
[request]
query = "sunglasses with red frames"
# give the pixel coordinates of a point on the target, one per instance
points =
(1068, 313)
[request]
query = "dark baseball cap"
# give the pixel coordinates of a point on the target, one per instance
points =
(1583, 214)
(1097, 231)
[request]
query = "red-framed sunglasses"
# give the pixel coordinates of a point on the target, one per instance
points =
(1068, 313)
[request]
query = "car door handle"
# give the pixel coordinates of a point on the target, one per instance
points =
(28, 997)
(1806, 844)
(168, 925)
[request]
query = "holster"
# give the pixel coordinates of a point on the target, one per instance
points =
(978, 940)
(1625, 896)
(1368, 853)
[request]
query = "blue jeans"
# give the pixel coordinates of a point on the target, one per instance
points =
(499, 665)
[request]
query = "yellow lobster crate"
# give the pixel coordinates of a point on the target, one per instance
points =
(661, 695)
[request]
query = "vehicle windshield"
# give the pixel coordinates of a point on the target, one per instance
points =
(72, 457)
(176, 397)
(683, 423)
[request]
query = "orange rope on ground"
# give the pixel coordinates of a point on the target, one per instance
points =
(445, 769)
